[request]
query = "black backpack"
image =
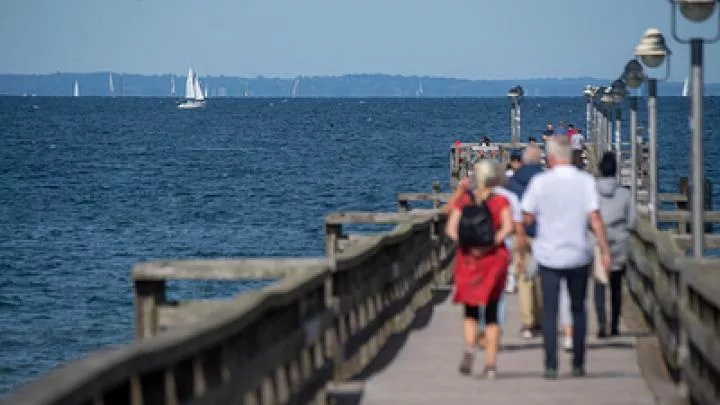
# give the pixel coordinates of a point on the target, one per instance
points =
(476, 226)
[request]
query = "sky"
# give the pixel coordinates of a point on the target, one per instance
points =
(473, 39)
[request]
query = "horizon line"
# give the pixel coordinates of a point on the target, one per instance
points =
(279, 77)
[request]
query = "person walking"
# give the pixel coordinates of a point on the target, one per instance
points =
(563, 201)
(480, 268)
(618, 214)
(527, 278)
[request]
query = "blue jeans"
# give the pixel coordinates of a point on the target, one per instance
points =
(577, 281)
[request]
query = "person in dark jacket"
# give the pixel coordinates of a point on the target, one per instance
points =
(528, 285)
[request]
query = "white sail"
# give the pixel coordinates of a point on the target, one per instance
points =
(190, 85)
(111, 85)
(296, 88)
(205, 91)
(198, 91)
(76, 90)
(686, 87)
(172, 86)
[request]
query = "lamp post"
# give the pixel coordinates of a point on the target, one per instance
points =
(599, 115)
(618, 90)
(606, 136)
(633, 76)
(652, 52)
(515, 95)
(588, 92)
(696, 11)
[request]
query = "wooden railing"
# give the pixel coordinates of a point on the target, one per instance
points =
(680, 297)
(325, 319)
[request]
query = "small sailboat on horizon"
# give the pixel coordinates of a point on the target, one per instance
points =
(111, 85)
(686, 87)
(194, 97)
(76, 89)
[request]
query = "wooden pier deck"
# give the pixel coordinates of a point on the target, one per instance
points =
(425, 368)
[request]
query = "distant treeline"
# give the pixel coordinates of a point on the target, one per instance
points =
(360, 85)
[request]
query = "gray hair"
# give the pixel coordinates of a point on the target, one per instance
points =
(486, 174)
(532, 155)
(559, 148)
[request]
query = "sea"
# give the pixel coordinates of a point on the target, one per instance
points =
(91, 186)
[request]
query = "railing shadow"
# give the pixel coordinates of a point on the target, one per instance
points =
(397, 341)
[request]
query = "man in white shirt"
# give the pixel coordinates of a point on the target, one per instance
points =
(562, 201)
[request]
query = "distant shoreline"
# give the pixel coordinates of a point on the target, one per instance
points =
(346, 86)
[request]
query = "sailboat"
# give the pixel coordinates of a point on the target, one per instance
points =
(111, 85)
(194, 97)
(420, 91)
(172, 86)
(296, 88)
(76, 90)
(686, 87)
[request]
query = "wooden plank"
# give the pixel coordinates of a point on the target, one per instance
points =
(185, 312)
(379, 217)
(443, 197)
(684, 216)
(662, 197)
(712, 241)
(226, 269)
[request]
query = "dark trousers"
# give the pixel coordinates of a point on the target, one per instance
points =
(577, 281)
(615, 283)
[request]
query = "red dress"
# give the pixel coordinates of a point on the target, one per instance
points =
(479, 280)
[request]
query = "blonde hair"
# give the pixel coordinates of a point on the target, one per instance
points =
(559, 148)
(486, 174)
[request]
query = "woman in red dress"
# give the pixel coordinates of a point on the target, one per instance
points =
(480, 273)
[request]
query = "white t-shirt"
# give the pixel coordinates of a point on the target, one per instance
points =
(515, 209)
(561, 200)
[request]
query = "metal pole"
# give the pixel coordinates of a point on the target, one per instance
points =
(652, 150)
(603, 133)
(588, 115)
(518, 132)
(512, 122)
(633, 150)
(609, 133)
(696, 186)
(618, 138)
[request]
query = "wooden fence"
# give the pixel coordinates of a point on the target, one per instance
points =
(680, 296)
(324, 320)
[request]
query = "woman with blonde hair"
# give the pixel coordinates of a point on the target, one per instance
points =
(480, 270)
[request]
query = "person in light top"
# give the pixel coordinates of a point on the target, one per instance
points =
(577, 143)
(564, 203)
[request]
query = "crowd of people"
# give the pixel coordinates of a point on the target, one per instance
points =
(524, 227)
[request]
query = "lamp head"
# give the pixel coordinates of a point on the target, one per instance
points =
(633, 75)
(618, 90)
(516, 91)
(652, 49)
(696, 10)
(606, 96)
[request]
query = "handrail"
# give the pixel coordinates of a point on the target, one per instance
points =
(680, 296)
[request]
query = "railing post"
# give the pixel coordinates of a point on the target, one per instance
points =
(149, 294)
(436, 191)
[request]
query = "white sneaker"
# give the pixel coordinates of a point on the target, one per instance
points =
(567, 343)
